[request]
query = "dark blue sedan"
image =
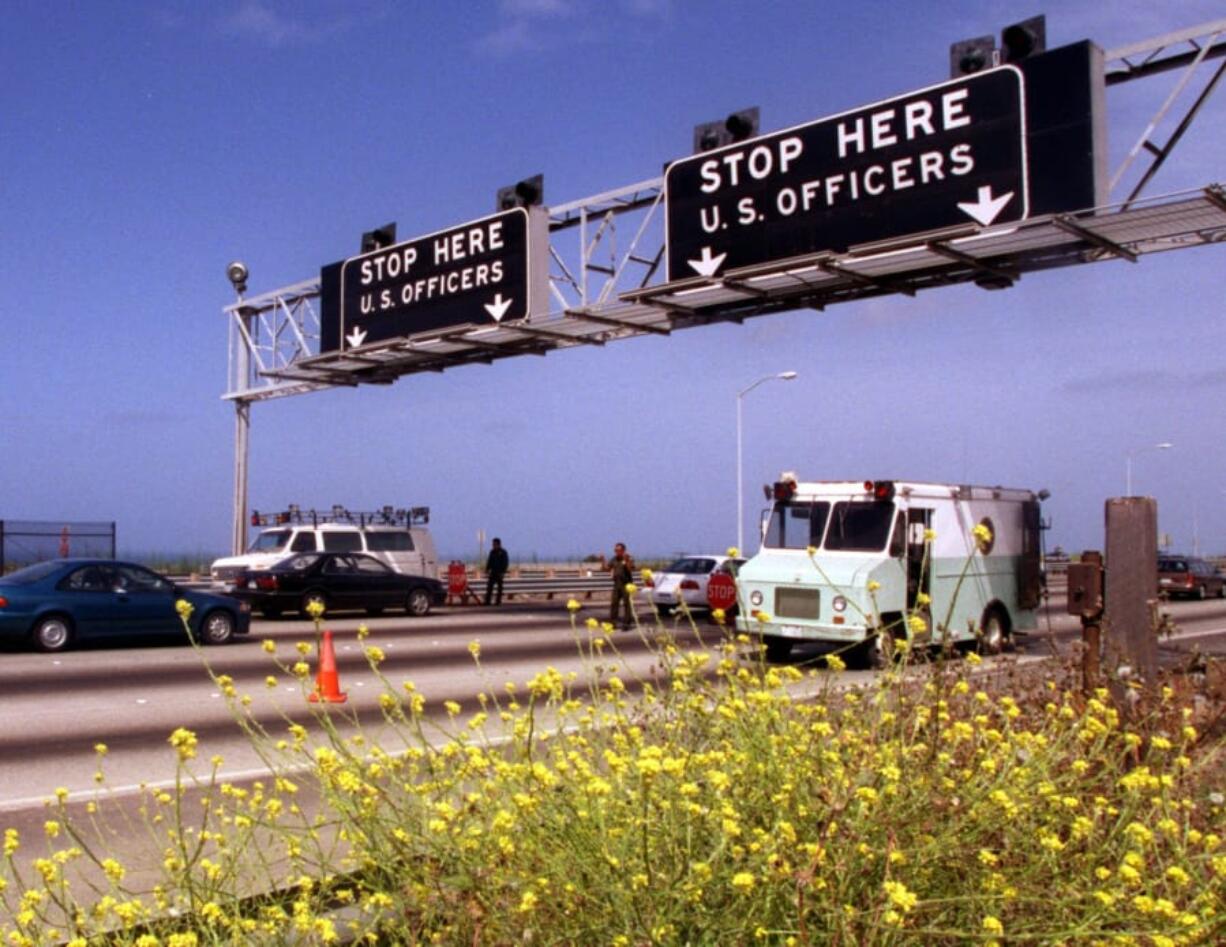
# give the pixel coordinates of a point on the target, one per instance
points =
(52, 604)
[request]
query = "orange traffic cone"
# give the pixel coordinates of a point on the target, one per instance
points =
(327, 681)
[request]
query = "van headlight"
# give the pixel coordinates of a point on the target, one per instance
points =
(838, 603)
(755, 598)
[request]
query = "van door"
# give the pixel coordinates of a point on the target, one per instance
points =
(919, 566)
(1030, 568)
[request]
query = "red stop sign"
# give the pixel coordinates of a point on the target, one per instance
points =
(721, 591)
(457, 578)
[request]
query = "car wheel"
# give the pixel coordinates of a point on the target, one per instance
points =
(53, 633)
(994, 637)
(418, 603)
(308, 599)
(1202, 592)
(217, 627)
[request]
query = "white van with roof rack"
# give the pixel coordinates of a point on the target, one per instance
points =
(399, 537)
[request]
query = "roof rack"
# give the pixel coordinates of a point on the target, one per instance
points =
(386, 516)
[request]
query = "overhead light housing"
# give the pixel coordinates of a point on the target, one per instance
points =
(526, 193)
(1021, 40)
(379, 238)
(738, 126)
(236, 272)
(969, 56)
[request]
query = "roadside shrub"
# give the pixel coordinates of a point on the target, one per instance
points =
(721, 801)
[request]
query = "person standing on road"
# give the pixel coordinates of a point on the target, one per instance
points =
(496, 565)
(622, 568)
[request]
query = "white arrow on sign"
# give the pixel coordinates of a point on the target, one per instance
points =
(706, 265)
(498, 308)
(356, 338)
(987, 207)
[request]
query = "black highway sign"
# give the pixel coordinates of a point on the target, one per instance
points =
(950, 154)
(485, 271)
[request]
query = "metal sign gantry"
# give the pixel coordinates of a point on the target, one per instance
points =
(607, 268)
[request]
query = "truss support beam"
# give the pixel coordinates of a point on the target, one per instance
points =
(1072, 226)
(999, 273)
(615, 323)
(560, 337)
(889, 285)
(1162, 153)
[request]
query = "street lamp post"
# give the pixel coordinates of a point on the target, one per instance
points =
(1165, 445)
(740, 501)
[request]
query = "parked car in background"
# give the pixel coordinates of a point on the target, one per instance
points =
(1189, 577)
(685, 580)
(338, 581)
(53, 604)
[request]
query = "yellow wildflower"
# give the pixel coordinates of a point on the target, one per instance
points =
(184, 741)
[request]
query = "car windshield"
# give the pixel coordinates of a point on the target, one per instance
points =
(272, 540)
(30, 574)
(862, 527)
(692, 565)
(796, 524)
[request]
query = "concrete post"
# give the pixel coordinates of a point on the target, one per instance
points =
(1132, 583)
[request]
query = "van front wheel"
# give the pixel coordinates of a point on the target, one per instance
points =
(777, 649)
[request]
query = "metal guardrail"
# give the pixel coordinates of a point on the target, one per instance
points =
(527, 584)
(584, 582)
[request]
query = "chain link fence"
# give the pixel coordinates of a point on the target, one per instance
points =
(25, 541)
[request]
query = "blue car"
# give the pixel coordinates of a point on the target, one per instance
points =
(52, 604)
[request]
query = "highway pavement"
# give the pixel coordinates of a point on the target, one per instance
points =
(130, 696)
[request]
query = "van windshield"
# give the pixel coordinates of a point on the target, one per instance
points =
(862, 527)
(796, 524)
(271, 540)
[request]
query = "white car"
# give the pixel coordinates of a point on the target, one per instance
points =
(685, 580)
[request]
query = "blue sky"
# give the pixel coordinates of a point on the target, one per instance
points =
(144, 145)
